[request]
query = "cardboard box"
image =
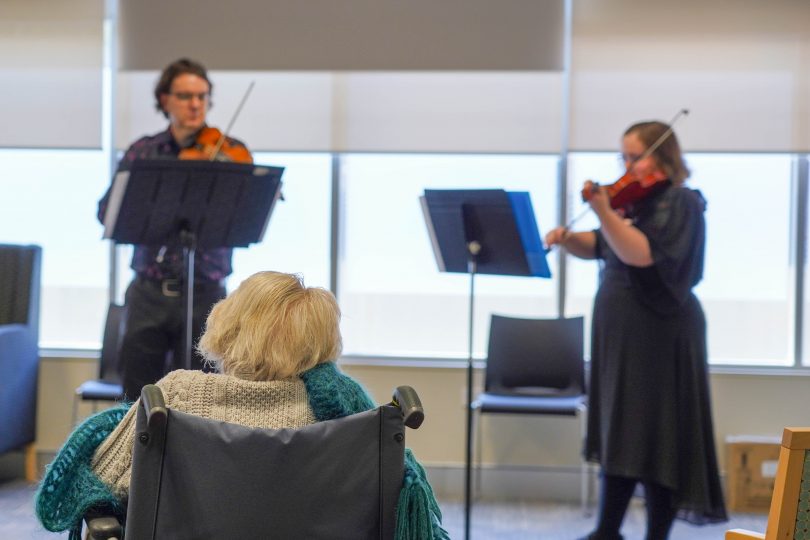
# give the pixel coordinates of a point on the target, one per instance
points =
(750, 472)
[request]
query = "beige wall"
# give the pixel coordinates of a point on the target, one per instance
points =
(50, 68)
(743, 405)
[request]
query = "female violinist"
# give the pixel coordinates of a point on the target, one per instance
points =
(649, 415)
(155, 314)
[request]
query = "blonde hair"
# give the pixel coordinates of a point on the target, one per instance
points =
(272, 327)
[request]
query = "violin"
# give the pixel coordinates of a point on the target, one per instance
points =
(633, 187)
(630, 188)
(212, 145)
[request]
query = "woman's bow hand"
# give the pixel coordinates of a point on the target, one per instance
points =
(556, 236)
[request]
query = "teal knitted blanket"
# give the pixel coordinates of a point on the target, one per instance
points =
(69, 488)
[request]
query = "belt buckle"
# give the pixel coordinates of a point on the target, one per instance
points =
(166, 287)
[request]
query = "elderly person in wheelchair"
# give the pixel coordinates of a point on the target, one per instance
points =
(274, 342)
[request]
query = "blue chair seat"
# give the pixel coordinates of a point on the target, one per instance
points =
(529, 404)
(100, 391)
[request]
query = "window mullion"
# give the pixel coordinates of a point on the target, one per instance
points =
(800, 250)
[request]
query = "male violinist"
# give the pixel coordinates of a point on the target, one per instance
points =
(155, 304)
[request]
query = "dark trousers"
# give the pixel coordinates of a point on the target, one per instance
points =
(153, 342)
(614, 498)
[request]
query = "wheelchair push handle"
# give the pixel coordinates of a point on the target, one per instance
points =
(409, 403)
(153, 404)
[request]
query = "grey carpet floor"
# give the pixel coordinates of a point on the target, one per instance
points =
(553, 521)
(491, 521)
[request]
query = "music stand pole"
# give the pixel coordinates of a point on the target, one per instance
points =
(486, 231)
(473, 248)
(189, 241)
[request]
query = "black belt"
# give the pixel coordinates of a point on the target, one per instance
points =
(174, 287)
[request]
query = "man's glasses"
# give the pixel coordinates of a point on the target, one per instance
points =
(188, 96)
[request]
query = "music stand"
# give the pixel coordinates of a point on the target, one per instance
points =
(484, 231)
(191, 204)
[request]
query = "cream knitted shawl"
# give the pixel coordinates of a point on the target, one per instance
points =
(273, 404)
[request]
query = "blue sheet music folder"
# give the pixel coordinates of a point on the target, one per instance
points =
(502, 222)
(529, 233)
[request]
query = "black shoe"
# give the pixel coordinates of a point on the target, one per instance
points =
(599, 536)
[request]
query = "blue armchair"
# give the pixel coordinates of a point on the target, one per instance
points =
(19, 350)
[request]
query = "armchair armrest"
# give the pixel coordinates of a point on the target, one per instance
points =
(742, 534)
(19, 361)
(16, 339)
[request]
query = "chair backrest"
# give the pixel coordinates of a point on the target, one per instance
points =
(198, 478)
(108, 368)
(789, 516)
(535, 356)
(20, 268)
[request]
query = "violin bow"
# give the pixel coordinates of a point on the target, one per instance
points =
(660, 140)
(221, 140)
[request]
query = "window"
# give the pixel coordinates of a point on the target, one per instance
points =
(49, 198)
(394, 299)
(747, 291)
(298, 236)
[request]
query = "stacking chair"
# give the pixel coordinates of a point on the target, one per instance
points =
(789, 516)
(535, 366)
(107, 387)
(20, 268)
(196, 478)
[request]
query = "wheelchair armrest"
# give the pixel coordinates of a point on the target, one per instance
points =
(101, 527)
(409, 403)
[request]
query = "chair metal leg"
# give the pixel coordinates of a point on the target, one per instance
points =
(585, 488)
(478, 445)
(31, 463)
(75, 415)
(585, 477)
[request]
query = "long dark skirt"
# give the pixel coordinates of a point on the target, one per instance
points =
(650, 410)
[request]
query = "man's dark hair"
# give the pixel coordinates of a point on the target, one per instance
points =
(174, 70)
